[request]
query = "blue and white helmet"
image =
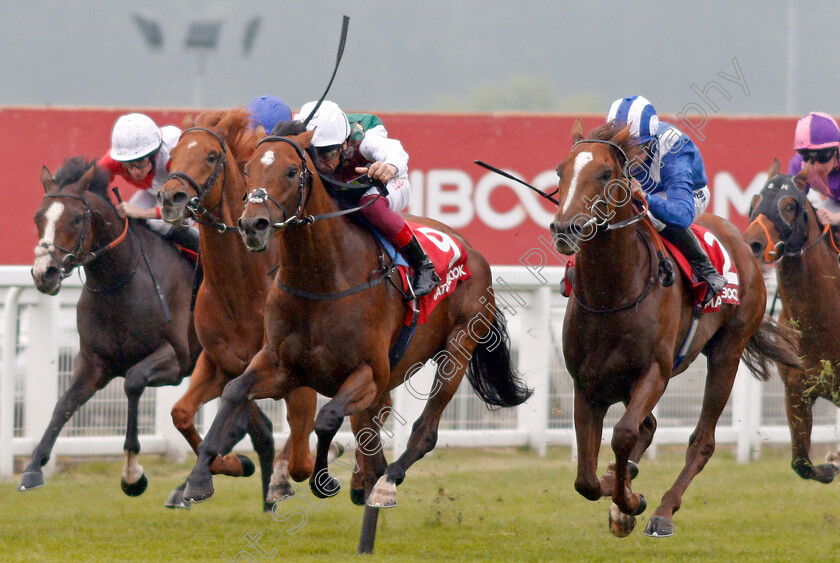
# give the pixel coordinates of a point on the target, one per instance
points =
(637, 112)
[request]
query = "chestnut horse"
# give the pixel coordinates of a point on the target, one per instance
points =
(122, 328)
(623, 330)
(206, 179)
(784, 230)
(332, 317)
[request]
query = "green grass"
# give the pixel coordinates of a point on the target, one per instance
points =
(483, 504)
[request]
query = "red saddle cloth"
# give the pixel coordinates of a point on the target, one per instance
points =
(720, 260)
(450, 260)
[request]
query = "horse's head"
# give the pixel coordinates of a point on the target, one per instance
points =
(64, 221)
(212, 148)
(279, 176)
(593, 189)
(779, 215)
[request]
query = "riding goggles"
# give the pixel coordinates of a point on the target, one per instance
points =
(818, 155)
(139, 163)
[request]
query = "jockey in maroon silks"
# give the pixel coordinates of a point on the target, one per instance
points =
(346, 145)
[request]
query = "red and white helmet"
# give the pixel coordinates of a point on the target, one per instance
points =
(816, 131)
(330, 123)
(134, 136)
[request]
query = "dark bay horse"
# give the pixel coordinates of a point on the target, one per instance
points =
(332, 317)
(785, 230)
(121, 325)
(206, 179)
(623, 330)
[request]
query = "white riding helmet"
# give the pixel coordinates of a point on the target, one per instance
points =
(134, 136)
(330, 124)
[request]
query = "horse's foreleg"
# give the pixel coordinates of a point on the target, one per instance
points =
(88, 378)
(258, 381)
(260, 431)
(589, 425)
(358, 392)
(722, 367)
(160, 367)
(206, 383)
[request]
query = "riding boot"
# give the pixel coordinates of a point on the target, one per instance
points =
(687, 242)
(186, 237)
(425, 278)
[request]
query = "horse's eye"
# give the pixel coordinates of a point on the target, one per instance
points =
(245, 171)
(293, 171)
(605, 176)
(77, 220)
(212, 158)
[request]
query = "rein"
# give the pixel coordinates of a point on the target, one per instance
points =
(262, 197)
(195, 206)
(69, 262)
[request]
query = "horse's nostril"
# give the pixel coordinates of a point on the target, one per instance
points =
(261, 224)
(50, 274)
(757, 247)
(180, 198)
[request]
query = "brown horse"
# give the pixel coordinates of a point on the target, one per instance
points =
(122, 328)
(623, 330)
(784, 229)
(332, 317)
(206, 179)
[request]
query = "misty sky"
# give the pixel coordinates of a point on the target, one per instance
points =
(430, 55)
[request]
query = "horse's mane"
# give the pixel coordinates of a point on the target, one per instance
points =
(288, 128)
(72, 170)
(241, 136)
(608, 132)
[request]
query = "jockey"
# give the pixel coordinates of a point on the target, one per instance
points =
(673, 180)
(346, 145)
(268, 111)
(816, 141)
(140, 155)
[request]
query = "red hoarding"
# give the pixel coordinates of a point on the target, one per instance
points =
(503, 220)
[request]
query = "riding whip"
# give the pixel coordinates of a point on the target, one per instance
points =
(163, 305)
(515, 179)
(345, 24)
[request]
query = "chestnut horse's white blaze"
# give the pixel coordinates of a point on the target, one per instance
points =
(42, 251)
(582, 159)
(268, 158)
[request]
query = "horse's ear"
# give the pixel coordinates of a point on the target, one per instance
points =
(577, 130)
(622, 136)
(304, 139)
(87, 178)
(47, 179)
(775, 168)
(801, 179)
(188, 121)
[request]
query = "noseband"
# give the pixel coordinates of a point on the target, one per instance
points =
(793, 236)
(195, 207)
(70, 261)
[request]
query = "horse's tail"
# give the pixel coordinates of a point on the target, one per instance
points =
(491, 371)
(771, 342)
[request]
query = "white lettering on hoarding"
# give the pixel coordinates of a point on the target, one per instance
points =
(727, 192)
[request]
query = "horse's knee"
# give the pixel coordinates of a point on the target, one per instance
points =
(588, 489)
(181, 418)
(134, 386)
(236, 390)
(624, 439)
(329, 419)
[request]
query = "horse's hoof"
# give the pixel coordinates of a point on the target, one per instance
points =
(825, 473)
(176, 500)
(383, 495)
(633, 469)
(659, 527)
(268, 506)
(357, 497)
(324, 486)
(137, 488)
(277, 493)
(642, 505)
(198, 491)
(31, 480)
(621, 525)
(248, 467)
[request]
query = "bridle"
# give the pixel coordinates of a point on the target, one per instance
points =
(71, 259)
(195, 207)
(260, 196)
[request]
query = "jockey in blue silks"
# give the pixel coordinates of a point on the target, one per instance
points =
(672, 178)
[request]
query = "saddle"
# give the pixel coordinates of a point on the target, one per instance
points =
(696, 288)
